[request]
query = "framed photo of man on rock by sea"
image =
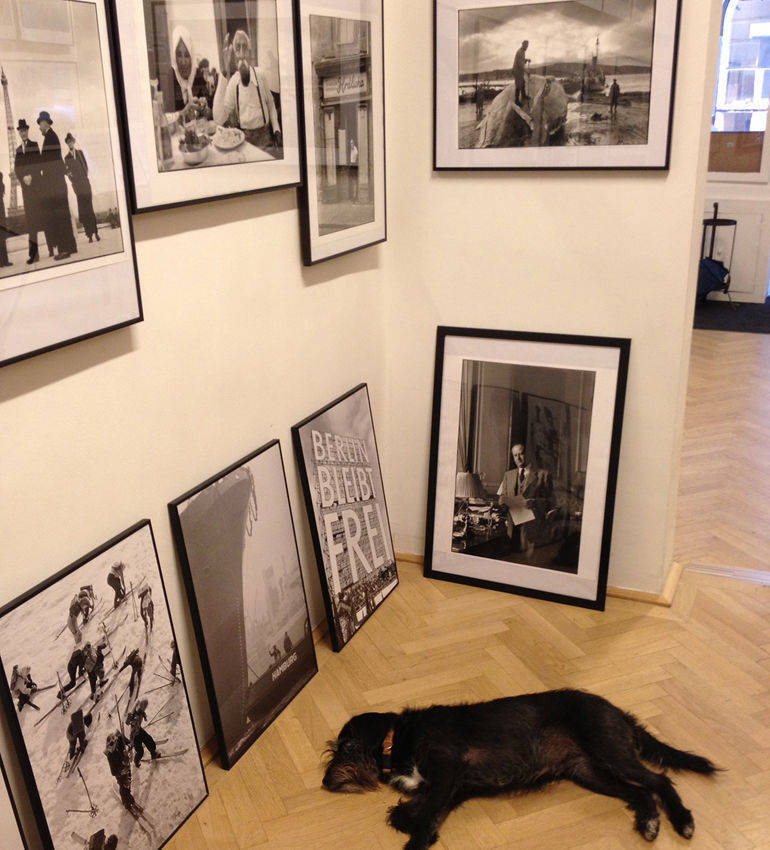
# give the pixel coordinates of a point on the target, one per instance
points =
(523, 461)
(559, 84)
(339, 466)
(342, 201)
(210, 98)
(235, 538)
(92, 686)
(67, 265)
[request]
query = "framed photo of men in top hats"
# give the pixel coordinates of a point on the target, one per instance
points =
(210, 98)
(67, 262)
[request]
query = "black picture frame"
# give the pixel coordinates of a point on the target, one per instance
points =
(554, 403)
(348, 604)
(9, 814)
(215, 548)
(39, 613)
(366, 67)
(180, 184)
(97, 299)
(638, 142)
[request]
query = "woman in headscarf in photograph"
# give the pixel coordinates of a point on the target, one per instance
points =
(187, 83)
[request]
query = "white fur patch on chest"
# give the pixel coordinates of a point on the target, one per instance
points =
(408, 783)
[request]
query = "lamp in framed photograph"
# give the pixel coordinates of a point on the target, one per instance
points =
(67, 262)
(10, 825)
(339, 466)
(92, 685)
(342, 201)
(209, 89)
(235, 538)
(523, 461)
(559, 84)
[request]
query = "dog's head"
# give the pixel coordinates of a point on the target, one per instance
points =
(355, 755)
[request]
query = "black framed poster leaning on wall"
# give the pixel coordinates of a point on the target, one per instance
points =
(67, 263)
(210, 98)
(92, 684)
(523, 461)
(339, 466)
(235, 538)
(340, 61)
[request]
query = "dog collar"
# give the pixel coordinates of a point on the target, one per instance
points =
(387, 749)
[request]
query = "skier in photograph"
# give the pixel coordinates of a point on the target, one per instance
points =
(119, 759)
(94, 664)
(99, 841)
(76, 732)
(87, 600)
(23, 687)
(74, 612)
(76, 667)
(117, 582)
(147, 608)
(135, 662)
(175, 660)
(141, 738)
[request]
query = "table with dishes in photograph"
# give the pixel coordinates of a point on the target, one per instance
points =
(204, 142)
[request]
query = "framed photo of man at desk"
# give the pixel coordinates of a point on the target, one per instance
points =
(67, 265)
(523, 461)
(210, 98)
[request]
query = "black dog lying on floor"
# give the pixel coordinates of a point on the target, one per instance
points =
(444, 755)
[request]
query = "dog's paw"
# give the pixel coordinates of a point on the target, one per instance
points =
(420, 841)
(648, 827)
(683, 823)
(400, 818)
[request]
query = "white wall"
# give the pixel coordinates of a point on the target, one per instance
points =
(240, 342)
(590, 253)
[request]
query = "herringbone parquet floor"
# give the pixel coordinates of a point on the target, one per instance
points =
(697, 673)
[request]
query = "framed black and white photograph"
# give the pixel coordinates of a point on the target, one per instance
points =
(339, 466)
(67, 263)
(523, 461)
(210, 98)
(554, 83)
(235, 538)
(10, 825)
(92, 684)
(342, 202)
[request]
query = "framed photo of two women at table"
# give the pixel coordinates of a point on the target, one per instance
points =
(67, 264)
(209, 89)
(342, 200)
(523, 461)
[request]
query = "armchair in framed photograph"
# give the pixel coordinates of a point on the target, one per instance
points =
(96, 701)
(556, 84)
(523, 461)
(339, 466)
(210, 98)
(235, 538)
(340, 60)
(67, 261)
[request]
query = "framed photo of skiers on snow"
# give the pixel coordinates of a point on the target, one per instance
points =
(235, 538)
(210, 98)
(92, 684)
(67, 262)
(342, 202)
(339, 466)
(555, 84)
(523, 461)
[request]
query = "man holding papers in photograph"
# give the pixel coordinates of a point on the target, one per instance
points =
(527, 492)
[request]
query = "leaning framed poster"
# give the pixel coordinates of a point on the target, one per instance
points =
(342, 201)
(560, 84)
(10, 825)
(523, 461)
(235, 538)
(67, 263)
(91, 681)
(210, 97)
(336, 452)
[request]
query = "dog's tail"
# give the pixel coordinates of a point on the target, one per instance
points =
(656, 752)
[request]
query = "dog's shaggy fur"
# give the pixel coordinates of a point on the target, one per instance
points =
(444, 755)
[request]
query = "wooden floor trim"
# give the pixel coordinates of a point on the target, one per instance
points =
(665, 599)
(737, 573)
